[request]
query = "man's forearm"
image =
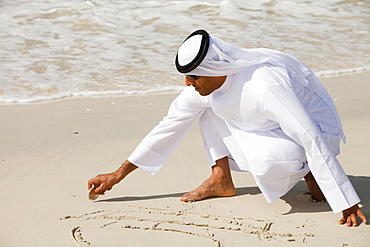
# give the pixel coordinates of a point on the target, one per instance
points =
(126, 168)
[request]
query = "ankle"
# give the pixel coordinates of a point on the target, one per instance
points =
(219, 175)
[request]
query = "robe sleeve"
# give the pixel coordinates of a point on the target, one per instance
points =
(281, 104)
(162, 140)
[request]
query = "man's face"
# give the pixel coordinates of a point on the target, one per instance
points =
(205, 85)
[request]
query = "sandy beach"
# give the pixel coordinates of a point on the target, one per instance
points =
(50, 150)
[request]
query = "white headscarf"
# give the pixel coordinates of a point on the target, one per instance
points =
(223, 58)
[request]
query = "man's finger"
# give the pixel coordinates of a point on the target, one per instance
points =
(349, 222)
(342, 221)
(100, 189)
(90, 183)
(362, 216)
(353, 219)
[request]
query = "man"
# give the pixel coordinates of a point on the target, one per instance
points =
(260, 111)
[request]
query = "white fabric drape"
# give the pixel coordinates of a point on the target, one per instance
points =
(271, 117)
(261, 124)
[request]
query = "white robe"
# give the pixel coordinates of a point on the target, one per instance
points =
(268, 121)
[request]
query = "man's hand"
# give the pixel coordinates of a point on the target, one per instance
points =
(102, 183)
(349, 216)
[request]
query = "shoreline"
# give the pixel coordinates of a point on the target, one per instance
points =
(51, 149)
(109, 94)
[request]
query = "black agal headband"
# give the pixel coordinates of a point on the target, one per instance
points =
(203, 49)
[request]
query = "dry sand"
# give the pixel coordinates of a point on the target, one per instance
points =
(50, 150)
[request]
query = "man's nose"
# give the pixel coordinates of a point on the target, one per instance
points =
(188, 81)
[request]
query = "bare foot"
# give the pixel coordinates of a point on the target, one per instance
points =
(315, 191)
(219, 184)
(208, 189)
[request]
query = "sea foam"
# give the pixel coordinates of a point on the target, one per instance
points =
(52, 49)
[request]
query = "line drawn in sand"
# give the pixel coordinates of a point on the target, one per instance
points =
(77, 236)
(200, 225)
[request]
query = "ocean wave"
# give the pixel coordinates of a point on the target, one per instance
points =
(52, 49)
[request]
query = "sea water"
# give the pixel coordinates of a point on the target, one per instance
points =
(54, 49)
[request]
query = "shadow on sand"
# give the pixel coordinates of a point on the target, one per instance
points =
(239, 192)
(361, 184)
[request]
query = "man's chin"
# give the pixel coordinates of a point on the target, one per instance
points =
(202, 93)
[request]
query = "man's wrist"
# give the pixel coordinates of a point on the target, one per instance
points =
(126, 168)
